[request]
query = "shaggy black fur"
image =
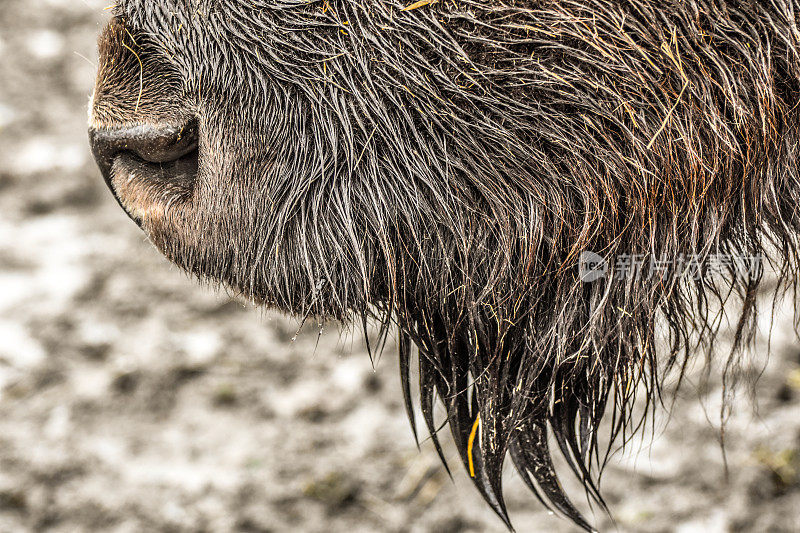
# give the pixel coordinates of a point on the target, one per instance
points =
(444, 166)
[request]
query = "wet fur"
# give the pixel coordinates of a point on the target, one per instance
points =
(442, 168)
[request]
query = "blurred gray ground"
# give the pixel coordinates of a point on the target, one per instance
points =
(132, 399)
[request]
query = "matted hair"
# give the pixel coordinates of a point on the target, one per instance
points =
(444, 167)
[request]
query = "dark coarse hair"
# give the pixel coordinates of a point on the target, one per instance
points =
(444, 166)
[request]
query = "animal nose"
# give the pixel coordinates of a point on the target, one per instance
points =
(154, 144)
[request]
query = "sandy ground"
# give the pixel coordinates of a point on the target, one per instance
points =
(131, 399)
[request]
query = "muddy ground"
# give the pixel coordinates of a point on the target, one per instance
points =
(131, 399)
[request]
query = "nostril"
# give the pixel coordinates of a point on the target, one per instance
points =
(151, 144)
(148, 168)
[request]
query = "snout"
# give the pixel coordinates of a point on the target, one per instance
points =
(143, 133)
(147, 164)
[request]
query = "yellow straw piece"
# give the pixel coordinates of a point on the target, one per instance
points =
(471, 443)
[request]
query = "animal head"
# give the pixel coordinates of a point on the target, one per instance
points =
(443, 166)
